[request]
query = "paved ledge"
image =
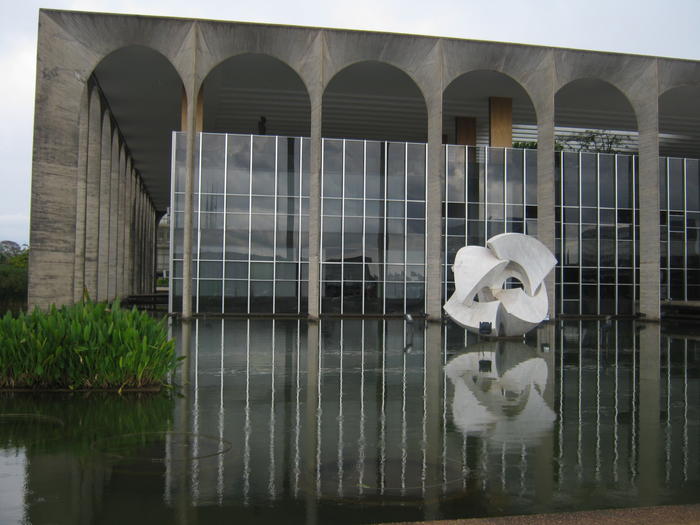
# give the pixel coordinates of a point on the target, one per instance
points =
(668, 515)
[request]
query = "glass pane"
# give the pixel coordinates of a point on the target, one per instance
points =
(415, 172)
(354, 168)
(589, 182)
(264, 156)
(375, 170)
(238, 165)
(571, 186)
(496, 175)
(332, 168)
(624, 181)
(607, 180)
(456, 173)
(213, 163)
(675, 184)
(514, 176)
(396, 170)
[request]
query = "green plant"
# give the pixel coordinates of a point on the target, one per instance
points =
(86, 345)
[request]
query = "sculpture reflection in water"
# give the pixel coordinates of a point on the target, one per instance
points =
(499, 393)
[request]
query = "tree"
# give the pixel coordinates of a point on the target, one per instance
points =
(13, 275)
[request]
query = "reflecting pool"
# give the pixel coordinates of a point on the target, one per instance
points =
(367, 420)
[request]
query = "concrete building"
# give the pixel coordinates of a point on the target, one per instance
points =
(333, 116)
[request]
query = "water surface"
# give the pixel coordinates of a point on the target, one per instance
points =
(361, 421)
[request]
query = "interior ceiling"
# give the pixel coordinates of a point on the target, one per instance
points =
(368, 100)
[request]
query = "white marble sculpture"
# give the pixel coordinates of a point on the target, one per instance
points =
(480, 273)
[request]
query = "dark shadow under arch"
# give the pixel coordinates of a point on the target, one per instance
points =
(376, 101)
(144, 94)
(468, 96)
(593, 104)
(243, 88)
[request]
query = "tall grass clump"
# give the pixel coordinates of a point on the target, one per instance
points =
(84, 346)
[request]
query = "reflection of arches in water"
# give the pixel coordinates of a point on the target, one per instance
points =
(498, 389)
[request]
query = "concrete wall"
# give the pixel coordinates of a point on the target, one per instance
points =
(69, 250)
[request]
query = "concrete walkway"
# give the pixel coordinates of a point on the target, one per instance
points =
(669, 515)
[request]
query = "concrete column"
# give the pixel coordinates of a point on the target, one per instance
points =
(105, 187)
(315, 148)
(81, 198)
(188, 211)
(120, 222)
(112, 235)
(92, 212)
(128, 207)
(649, 229)
(142, 236)
(433, 223)
(136, 239)
(126, 225)
(545, 186)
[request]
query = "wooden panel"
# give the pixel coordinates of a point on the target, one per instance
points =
(500, 122)
(465, 131)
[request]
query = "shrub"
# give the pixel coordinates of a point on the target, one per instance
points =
(86, 345)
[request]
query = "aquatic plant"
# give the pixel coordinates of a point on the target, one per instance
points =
(84, 346)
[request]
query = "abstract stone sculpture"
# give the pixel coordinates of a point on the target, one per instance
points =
(482, 272)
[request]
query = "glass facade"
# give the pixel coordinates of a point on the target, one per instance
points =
(250, 235)
(373, 227)
(680, 229)
(597, 229)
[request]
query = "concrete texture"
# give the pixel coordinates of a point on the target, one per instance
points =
(71, 45)
(669, 515)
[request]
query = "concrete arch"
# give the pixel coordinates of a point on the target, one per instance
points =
(144, 93)
(468, 95)
(244, 87)
(358, 100)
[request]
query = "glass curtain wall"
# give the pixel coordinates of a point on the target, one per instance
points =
(680, 229)
(250, 229)
(373, 227)
(487, 191)
(597, 228)
(250, 232)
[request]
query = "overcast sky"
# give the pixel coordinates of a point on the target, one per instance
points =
(651, 27)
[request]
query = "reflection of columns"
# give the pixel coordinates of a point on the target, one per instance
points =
(433, 420)
(80, 197)
(104, 195)
(545, 186)
(544, 454)
(310, 424)
(433, 223)
(649, 401)
(315, 146)
(649, 229)
(92, 190)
